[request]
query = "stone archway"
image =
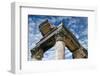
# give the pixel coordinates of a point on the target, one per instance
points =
(60, 37)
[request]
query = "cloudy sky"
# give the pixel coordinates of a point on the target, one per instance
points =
(77, 25)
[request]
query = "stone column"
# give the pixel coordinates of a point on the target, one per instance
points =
(59, 48)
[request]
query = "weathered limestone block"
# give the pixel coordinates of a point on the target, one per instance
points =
(80, 53)
(38, 55)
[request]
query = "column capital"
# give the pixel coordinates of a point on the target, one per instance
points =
(59, 36)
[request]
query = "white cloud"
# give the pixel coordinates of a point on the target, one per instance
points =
(68, 54)
(49, 55)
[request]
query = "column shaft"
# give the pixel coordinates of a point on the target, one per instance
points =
(59, 50)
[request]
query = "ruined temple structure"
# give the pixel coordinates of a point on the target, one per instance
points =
(58, 37)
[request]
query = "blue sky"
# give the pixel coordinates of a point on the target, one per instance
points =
(77, 25)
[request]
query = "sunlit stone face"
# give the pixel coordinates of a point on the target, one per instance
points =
(59, 50)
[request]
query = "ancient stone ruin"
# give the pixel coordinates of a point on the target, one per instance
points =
(58, 37)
